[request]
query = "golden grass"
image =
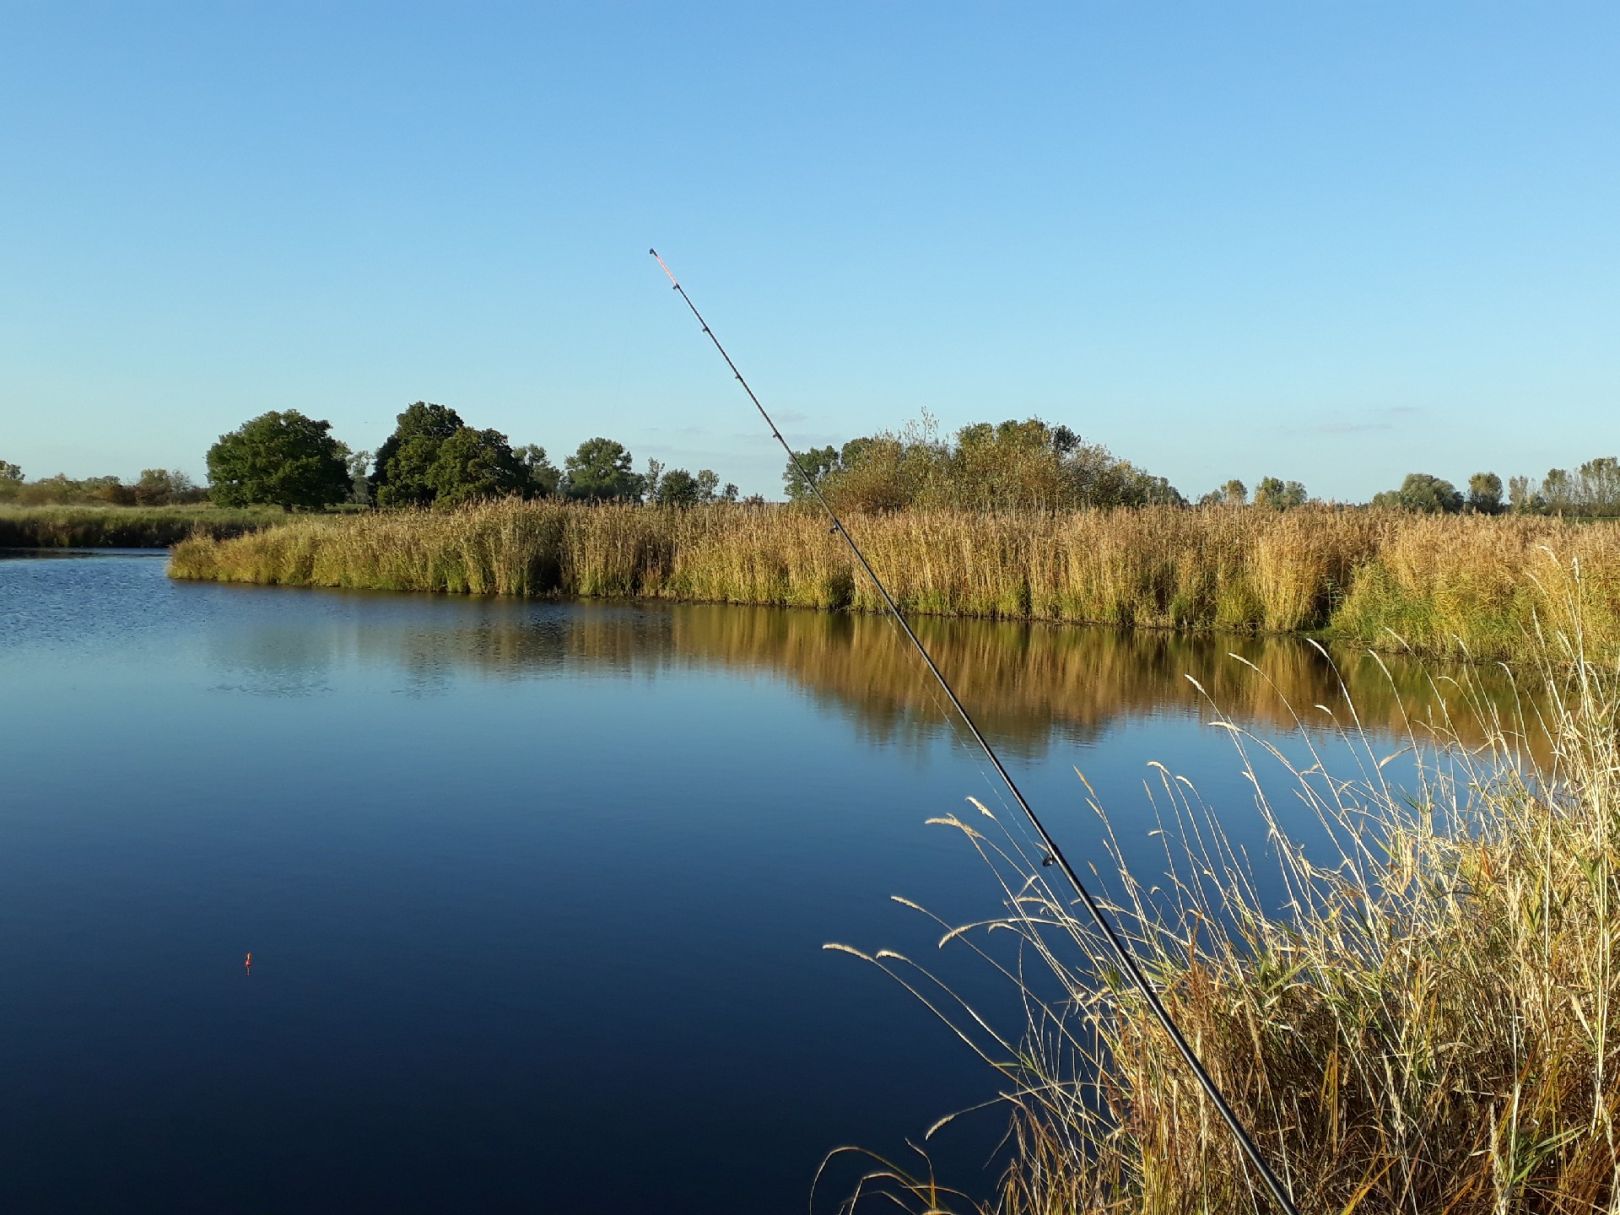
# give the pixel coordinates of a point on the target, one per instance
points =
(1427, 1025)
(1383, 578)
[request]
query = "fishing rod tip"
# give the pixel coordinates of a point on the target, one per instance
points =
(654, 252)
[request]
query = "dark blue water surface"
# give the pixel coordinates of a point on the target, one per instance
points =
(535, 892)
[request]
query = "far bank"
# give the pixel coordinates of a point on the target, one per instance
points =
(1474, 584)
(126, 526)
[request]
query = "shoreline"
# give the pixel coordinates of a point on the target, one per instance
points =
(1447, 586)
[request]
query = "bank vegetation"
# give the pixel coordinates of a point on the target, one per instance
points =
(1423, 1020)
(1392, 579)
(87, 526)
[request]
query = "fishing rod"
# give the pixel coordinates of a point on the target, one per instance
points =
(1054, 854)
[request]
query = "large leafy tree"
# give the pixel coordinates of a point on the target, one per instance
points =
(280, 457)
(600, 470)
(818, 463)
(1276, 494)
(475, 464)
(163, 487)
(544, 476)
(1600, 485)
(1422, 491)
(1485, 493)
(405, 460)
(435, 457)
(677, 487)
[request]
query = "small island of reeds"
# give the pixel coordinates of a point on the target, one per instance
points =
(1385, 578)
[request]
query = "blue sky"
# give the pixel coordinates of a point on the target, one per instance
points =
(1334, 243)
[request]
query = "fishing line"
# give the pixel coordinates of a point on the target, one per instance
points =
(1054, 854)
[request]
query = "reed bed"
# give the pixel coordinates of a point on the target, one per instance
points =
(1383, 578)
(123, 526)
(1424, 1021)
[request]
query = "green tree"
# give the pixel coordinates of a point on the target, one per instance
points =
(280, 457)
(678, 487)
(163, 487)
(1143, 489)
(1018, 464)
(10, 471)
(1558, 491)
(1235, 493)
(1485, 493)
(360, 478)
(406, 457)
(1009, 465)
(600, 471)
(1276, 494)
(652, 478)
(543, 475)
(728, 493)
(818, 463)
(472, 465)
(708, 484)
(1423, 492)
(1520, 497)
(879, 473)
(1598, 489)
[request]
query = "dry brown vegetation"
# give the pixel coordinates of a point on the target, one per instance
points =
(1427, 1025)
(1385, 578)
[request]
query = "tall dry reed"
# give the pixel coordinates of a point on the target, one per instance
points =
(1428, 1023)
(1381, 578)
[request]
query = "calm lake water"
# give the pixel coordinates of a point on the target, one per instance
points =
(535, 892)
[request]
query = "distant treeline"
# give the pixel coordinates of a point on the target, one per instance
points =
(1030, 465)
(434, 458)
(431, 458)
(156, 487)
(1591, 491)
(1015, 465)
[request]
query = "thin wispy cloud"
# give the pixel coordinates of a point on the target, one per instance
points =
(1369, 421)
(796, 440)
(688, 432)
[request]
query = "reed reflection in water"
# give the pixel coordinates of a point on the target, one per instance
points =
(1029, 683)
